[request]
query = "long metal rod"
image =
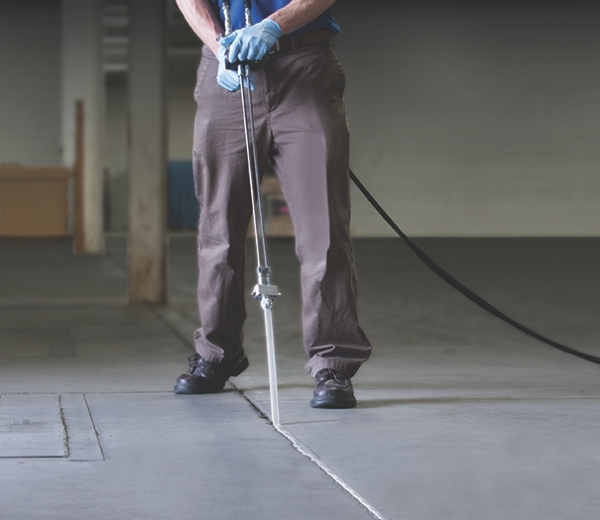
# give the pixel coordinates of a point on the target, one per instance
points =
(257, 210)
(260, 223)
(263, 291)
(273, 391)
(227, 17)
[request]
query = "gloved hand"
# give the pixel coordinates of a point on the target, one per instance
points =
(229, 79)
(252, 43)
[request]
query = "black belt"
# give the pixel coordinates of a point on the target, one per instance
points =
(292, 43)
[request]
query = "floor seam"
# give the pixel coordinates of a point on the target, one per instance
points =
(63, 423)
(96, 432)
(306, 452)
(238, 390)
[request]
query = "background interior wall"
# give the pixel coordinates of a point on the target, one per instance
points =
(30, 83)
(474, 118)
(467, 118)
(181, 109)
(117, 156)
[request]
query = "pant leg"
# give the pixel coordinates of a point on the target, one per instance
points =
(223, 191)
(311, 153)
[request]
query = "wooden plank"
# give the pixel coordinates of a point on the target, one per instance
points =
(20, 173)
(78, 229)
(34, 206)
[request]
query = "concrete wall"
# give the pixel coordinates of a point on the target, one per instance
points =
(474, 118)
(72, 77)
(117, 156)
(181, 111)
(467, 118)
(30, 83)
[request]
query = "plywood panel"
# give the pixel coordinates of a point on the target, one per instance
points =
(33, 204)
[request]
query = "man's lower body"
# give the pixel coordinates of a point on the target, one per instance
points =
(300, 124)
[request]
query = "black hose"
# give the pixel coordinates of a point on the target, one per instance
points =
(459, 286)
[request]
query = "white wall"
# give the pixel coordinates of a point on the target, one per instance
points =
(30, 83)
(474, 118)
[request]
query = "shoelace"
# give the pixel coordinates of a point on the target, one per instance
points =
(196, 361)
(328, 374)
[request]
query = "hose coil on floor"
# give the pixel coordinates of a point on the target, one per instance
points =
(459, 286)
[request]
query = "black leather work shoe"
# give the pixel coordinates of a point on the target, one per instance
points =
(332, 390)
(204, 377)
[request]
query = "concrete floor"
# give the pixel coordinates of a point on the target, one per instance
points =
(459, 416)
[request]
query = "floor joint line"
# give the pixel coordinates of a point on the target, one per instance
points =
(306, 452)
(96, 432)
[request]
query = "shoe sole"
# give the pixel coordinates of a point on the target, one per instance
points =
(236, 370)
(332, 403)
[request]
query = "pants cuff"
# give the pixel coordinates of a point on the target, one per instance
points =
(348, 367)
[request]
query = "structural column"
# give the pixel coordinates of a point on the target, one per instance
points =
(83, 79)
(147, 245)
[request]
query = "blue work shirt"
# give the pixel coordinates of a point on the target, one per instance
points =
(261, 9)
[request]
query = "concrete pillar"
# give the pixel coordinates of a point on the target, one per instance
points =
(147, 244)
(83, 78)
(94, 114)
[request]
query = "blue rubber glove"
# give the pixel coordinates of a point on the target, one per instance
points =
(228, 79)
(252, 43)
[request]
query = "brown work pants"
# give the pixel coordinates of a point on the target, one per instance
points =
(300, 123)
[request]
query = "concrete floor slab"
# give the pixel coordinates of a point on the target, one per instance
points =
(459, 415)
(81, 436)
(57, 276)
(184, 457)
(464, 458)
(31, 427)
(37, 343)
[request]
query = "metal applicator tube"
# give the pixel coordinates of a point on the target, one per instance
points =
(263, 291)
